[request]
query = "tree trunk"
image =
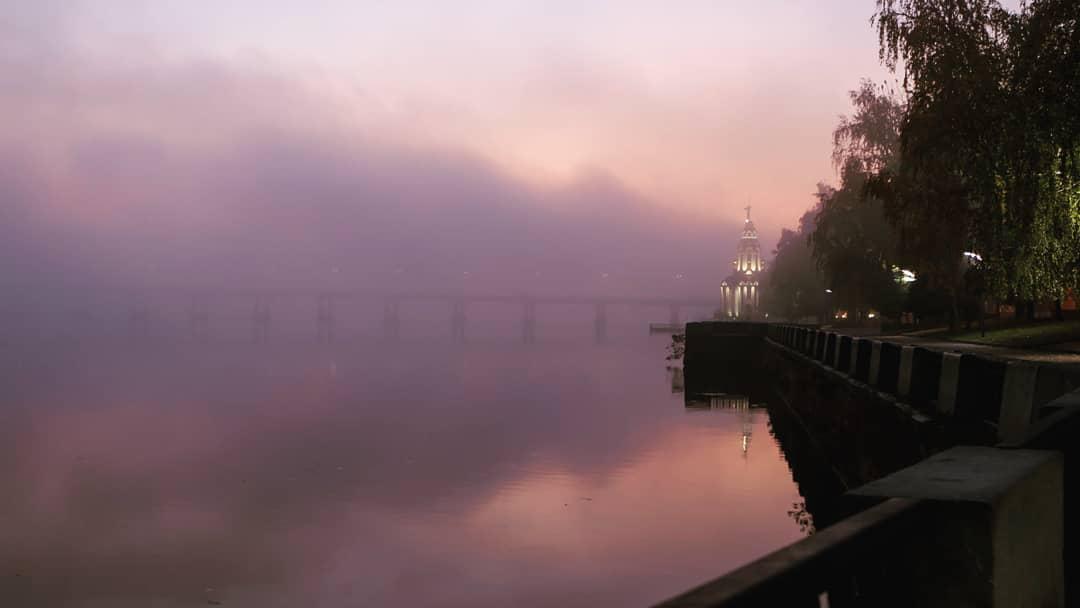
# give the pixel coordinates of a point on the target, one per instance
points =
(1059, 315)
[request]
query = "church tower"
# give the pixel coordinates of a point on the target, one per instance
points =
(740, 293)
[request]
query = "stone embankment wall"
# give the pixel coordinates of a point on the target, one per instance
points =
(960, 469)
(973, 398)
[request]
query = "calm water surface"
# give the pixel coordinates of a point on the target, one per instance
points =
(492, 474)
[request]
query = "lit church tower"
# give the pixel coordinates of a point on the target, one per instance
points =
(740, 293)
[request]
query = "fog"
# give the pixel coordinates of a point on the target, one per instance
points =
(277, 446)
(160, 171)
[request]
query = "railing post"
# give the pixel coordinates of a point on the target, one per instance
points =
(1017, 400)
(949, 383)
(994, 533)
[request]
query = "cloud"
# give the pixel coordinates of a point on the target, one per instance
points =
(205, 173)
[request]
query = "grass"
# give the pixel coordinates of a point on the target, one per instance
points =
(1027, 335)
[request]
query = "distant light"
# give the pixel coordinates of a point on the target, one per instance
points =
(907, 276)
(870, 315)
(828, 291)
(973, 255)
(679, 276)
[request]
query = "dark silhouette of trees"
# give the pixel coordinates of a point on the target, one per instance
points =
(972, 181)
(796, 285)
(844, 243)
(989, 159)
(852, 241)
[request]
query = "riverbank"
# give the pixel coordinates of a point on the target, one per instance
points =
(973, 456)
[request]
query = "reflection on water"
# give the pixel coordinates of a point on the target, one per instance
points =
(737, 403)
(420, 475)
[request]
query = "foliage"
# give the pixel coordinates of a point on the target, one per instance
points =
(796, 286)
(852, 241)
(677, 348)
(868, 140)
(990, 142)
(802, 517)
(925, 302)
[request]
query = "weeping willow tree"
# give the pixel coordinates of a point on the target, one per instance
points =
(1039, 185)
(989, 158)
(853, 244)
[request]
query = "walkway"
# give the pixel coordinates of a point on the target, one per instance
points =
(1065, 357)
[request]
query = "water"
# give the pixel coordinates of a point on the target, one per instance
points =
(419, 474)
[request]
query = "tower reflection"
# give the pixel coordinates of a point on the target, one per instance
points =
(739, 404)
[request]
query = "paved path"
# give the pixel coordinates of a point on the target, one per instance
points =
(1063, 357)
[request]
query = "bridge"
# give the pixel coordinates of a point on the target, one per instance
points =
(142, 301)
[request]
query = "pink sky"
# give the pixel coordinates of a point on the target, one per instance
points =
(692, 109)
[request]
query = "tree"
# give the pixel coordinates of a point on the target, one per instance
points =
(988, 148)
(852, 241)
(853, 245)
(796, 287)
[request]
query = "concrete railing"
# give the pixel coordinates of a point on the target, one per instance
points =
(971, 526)
(1005, 396)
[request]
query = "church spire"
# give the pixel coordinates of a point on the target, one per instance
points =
(747, 207)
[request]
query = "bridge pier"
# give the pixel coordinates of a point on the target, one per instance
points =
(600, 322)
(675, 317)
(528, 322)
(457, 321)
(325, 319)
(260, 321)
(391, 320)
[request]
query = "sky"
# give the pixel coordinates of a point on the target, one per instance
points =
(273, 140)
